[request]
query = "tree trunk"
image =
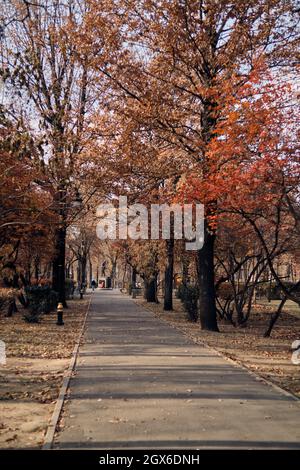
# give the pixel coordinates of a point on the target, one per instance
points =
(185, 270)
(206, 284)
(83, 271)
(58, 273)
(36, 269)
(133, 277)
(168, 298)
(150, 289)
(274, 318)
(12, 308)
(240, 315)
(23, 300)
(90, 272)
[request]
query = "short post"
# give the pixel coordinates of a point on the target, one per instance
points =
(60, 311)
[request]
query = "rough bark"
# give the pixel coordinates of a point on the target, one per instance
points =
(133, 277)
(150, 289)
(274, 318)
(58, 273)
(206, 284)
(168, 298)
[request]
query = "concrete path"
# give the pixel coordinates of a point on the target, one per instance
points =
(140, 383)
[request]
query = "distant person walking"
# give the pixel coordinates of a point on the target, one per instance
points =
(94, 284)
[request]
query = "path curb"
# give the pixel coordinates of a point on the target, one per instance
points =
(49, 436)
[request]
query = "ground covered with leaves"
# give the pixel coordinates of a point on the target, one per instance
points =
(269, 358)
(37, 356)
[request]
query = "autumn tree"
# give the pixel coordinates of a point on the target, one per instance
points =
(254, 156)
(80, 240)
(174, 68)
(53, 82)
(25, 215)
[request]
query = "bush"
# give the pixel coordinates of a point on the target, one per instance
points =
(274, 291)
(7, 296)
(225, 291)
(270, 291)
(180, 291)
(190, 302)
(42, 300)
(189, 294)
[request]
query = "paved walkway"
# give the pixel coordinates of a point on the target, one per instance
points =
(140, 383)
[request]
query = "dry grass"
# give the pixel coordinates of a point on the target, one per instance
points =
(37, 357)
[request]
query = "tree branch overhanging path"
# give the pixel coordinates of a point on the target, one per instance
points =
(175, 103)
